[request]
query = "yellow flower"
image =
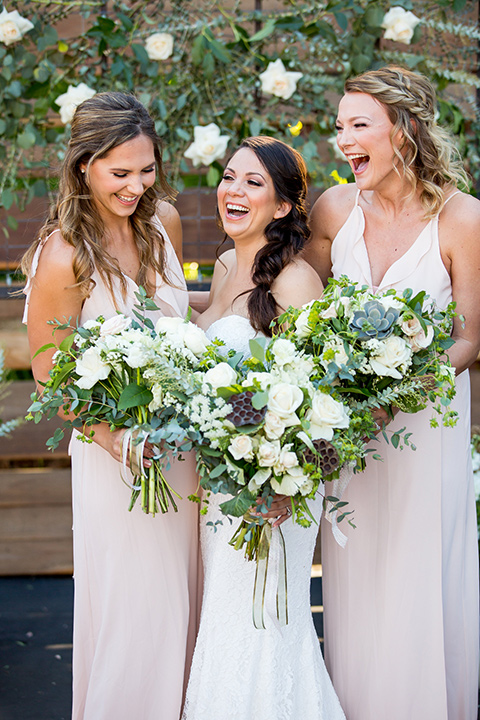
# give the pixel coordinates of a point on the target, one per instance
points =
(296, 129)
(341, 181)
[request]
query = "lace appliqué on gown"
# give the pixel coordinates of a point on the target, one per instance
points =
(239, 672)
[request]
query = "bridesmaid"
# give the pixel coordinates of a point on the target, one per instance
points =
(111, 230)
(401, 600)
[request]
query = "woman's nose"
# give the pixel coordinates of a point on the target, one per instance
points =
(135, 184)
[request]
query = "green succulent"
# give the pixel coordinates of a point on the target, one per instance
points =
(374, 321)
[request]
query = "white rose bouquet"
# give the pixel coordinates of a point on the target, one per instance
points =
(127, 373)
(379, 350)
(265, 426)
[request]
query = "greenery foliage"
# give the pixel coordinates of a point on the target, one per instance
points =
(212, 75)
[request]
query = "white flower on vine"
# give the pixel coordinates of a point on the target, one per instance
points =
(208, 145)
(399, 25)
(13, 27)
(159, 46)
(70, 100)
(278, 81)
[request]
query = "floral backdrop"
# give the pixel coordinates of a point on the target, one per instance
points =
(212, 72)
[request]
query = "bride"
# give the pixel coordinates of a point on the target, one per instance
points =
(238, 671)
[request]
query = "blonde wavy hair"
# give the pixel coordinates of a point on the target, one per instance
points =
(101, 124)
(429, 158)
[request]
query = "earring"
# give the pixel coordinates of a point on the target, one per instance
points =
(82, 171)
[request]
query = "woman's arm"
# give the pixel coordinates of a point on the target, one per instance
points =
(459, 232)
(54, 296)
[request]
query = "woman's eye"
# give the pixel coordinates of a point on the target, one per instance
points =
(360, 125)
(254, 182)
(338, 128)
(120, 175)
(227, 177)
(148, 170)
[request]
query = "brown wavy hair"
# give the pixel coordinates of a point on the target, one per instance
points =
(286, 236)
(99, 125)
(430, 158)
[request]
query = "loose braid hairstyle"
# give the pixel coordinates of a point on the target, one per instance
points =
(286, 236)
(99, 125)
(429, 157)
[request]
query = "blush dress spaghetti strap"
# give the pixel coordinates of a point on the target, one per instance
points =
(135, 575)
(401, 599)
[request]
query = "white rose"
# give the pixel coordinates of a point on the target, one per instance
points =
(69, 101)
(276, 80)
(91, 324)
(325, 415)
(332, 141)
(13, 27)
(399, 25)
(169, 325)
(241, 447)
(268, 453)
(159, 46)
(138, 356)
(274, 426)
(391, 353)
(290, 483)
(222, 375)
(195, 339)
(208, 145)
(411, 327)
(389, 301)
(283, 400)
(302, 328)
(283, 351)
(420, 341)
(448, 371)
(286, 460)
(114, 325)
(91, 368)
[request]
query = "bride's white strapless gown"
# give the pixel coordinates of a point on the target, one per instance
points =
(239, 672)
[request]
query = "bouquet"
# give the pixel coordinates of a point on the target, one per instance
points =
(379, 350)
(264, 426)
(128, 373)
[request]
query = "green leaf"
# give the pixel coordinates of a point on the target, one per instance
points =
(219, 470)
(267, 30)
(238, 505)
(64, 373)
(67, 343)
(259, 400)
(257, 348)
(43, 348)
(134, 396)
(213, 176)
(198, 50)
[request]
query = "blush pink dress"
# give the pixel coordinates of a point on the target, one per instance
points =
(135, 575)
(401, 599)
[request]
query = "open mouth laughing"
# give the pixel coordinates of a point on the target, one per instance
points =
(235, 211)
(127, 200)
(359, 162)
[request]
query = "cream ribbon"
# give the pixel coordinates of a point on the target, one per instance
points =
(337, 488)
(271, 564)
(134, 450)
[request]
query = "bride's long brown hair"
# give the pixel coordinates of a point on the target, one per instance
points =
(99, 125)
(286, 236)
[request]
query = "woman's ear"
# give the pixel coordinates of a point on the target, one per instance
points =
(282, 210)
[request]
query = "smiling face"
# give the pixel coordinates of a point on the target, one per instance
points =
(364, 136)
(118, 180)
(246, 197)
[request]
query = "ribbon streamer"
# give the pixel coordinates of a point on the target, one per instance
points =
(339, 485)
(133, 448)
(279, 579)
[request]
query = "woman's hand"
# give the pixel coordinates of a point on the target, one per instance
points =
(280, 509)
(112, 442)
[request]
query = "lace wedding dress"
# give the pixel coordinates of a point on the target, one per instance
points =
(239, 672)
